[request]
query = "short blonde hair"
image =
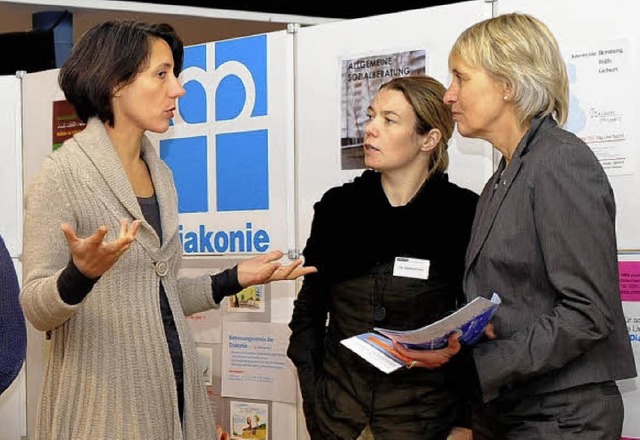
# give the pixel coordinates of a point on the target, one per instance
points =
(521, 51)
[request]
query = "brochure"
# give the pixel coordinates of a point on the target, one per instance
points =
(377, 347)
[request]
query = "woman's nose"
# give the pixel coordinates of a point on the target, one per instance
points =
(450, 95)
(369, 128)
(178, 90)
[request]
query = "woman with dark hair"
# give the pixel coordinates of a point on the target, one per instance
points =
(13, 332)
(123, 363)
(401, 211)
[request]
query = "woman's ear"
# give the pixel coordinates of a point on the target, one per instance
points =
(431, 140)
(507, 94)
(116, 90)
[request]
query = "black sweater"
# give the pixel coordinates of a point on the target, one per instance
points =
(355, 237)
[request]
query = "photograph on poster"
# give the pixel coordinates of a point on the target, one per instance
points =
(249, 300)
(249, 420)
(361, 78)
(205, 363)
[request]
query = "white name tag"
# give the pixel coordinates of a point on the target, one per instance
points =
(411, 268)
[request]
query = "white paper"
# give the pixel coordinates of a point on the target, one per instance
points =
(255, 363)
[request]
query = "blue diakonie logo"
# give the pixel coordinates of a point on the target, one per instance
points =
(238, 83)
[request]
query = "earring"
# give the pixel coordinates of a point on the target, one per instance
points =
(505, 97)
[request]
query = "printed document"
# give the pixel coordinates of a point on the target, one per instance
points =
(377, 348)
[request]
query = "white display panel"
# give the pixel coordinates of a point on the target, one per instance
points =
(11, 165)
(39, 90)
(599, 40)
(237, 89)
(320, 52)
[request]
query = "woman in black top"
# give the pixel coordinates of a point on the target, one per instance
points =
(404, 206)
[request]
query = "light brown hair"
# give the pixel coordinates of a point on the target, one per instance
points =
(425, 95)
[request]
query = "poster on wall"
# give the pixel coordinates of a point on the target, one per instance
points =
(248, 300)
(249, 420)
(226, 146)
(205, 364)
(66, 122)
(255, 363)
(361, 78)
(600, 115)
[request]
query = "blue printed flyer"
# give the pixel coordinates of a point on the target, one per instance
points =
(377, 347)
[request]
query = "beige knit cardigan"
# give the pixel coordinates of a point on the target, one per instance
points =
(109, 374)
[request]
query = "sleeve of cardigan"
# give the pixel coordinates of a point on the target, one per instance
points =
(13, 332)
(45, 249)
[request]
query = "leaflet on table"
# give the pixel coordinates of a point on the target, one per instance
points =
(469, 321)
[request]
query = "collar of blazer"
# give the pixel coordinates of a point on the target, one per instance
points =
(494, 193)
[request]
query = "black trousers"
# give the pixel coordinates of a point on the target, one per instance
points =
(394, 408)
(586, 412)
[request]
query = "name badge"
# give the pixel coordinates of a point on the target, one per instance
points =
(411, 268)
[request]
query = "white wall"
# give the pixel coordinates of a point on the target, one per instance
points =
(320, 50)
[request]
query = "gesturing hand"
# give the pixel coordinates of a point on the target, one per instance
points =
(265, 269)
(92, 255)
(431, 358)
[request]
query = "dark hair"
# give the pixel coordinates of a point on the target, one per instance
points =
(426, 96)
(108, 55)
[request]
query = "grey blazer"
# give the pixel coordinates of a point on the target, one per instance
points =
(544, 239)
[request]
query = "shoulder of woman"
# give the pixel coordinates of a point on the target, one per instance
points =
(558, 144)
(464, 195)
(361, 185)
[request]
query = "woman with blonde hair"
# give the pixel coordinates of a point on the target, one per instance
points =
(544, 239)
